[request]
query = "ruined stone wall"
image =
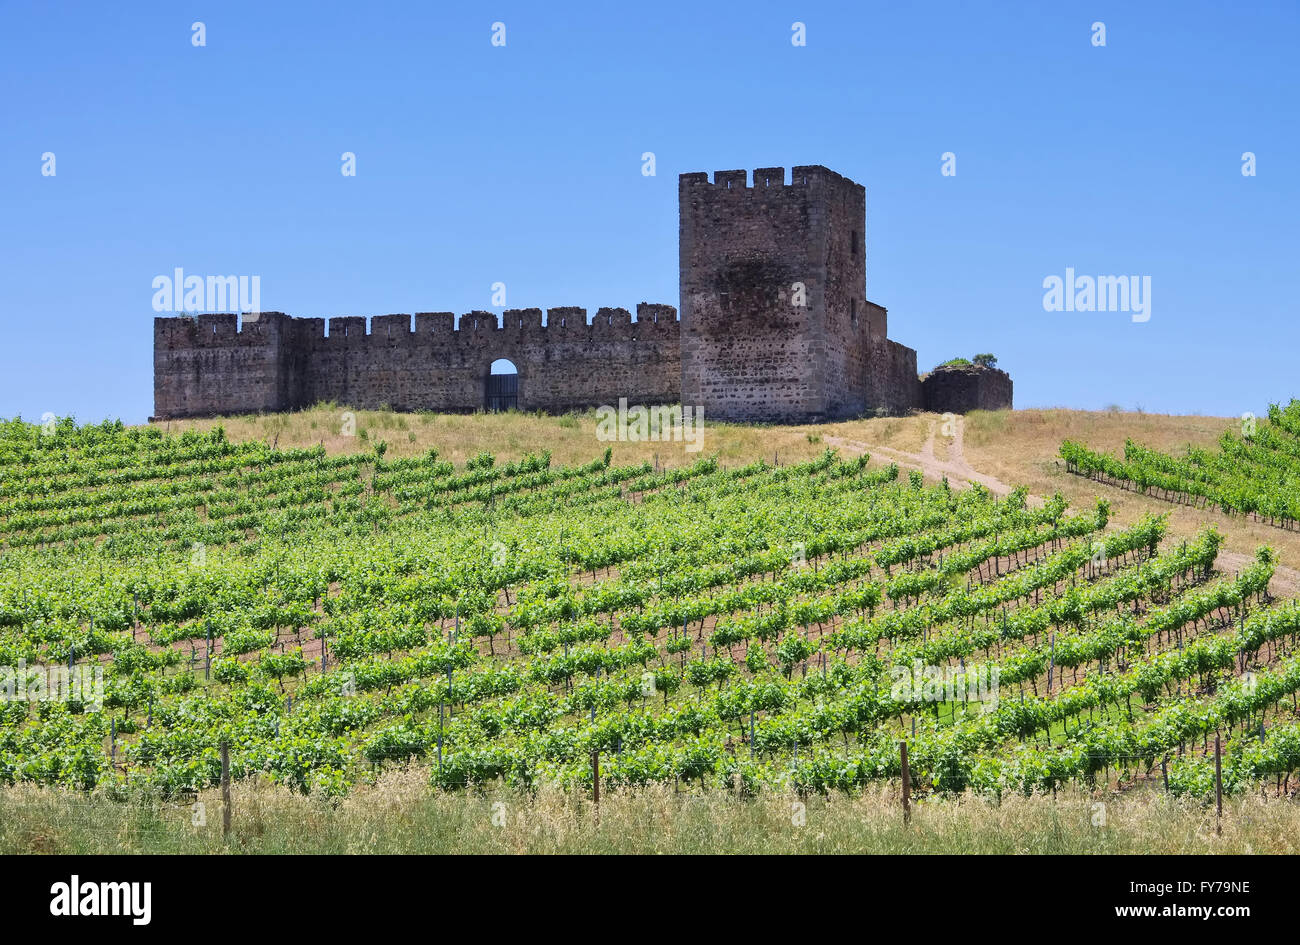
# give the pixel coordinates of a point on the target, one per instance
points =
(204, 367)
(962, 389)
(205, 362)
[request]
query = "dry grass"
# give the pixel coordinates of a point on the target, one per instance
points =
(571, 438)
(1021, 447)
(901, 433)
(401, 815)
(1023, 438)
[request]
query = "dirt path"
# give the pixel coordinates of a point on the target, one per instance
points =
(1286, 580)
(954, 467)
(1285, 583)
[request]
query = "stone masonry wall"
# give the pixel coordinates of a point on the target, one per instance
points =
(206, 366)
(962, 389)
(890, 380)
(846, 329)
(749, 353)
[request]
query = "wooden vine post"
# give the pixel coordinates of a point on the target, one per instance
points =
(907, 783)
(225, 789)
(1218, 785)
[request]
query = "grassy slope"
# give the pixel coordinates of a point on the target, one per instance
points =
(1021, 447)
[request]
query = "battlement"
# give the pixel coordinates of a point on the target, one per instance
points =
(220, 329)
(224, 328)
(765, 178)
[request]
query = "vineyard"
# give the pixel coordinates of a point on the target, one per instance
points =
(743, 629)
(1255, 473)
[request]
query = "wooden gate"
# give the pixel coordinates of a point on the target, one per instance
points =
(502, 392)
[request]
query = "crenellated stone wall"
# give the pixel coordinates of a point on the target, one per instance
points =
(775, 327)
(209, 365)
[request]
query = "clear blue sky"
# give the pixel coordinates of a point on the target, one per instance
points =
(522, 164)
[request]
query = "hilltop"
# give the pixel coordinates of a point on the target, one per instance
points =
(1010, 447)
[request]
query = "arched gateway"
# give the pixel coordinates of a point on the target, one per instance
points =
(502, 387)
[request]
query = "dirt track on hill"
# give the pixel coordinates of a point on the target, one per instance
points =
(954, 467)
(1286, 580)
(1285, 583)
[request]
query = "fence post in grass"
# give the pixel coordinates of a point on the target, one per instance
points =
(207, 657)
(1218, 785)
(225, 789)
(907, 783)
(595, 782)
(1164, 771)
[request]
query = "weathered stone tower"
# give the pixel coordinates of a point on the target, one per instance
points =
(775, 324)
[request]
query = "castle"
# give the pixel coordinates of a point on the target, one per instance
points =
(774, 327)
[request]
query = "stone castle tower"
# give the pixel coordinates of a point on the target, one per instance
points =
(775, 323)
(775, 327)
